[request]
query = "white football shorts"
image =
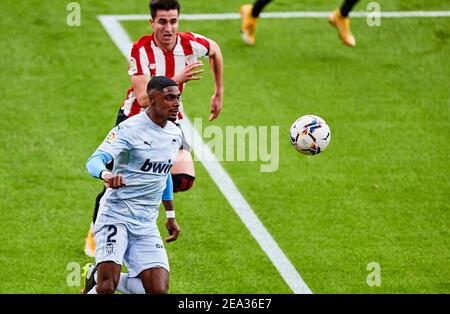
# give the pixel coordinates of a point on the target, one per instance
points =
(114, 242)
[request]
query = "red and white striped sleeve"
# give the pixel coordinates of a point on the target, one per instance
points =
(200, 45)
(138, 63)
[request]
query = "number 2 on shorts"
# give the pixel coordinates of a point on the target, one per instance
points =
(112, 234)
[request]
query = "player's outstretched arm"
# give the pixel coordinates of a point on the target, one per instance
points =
(189, 73)
(216, 63)
(139, 83)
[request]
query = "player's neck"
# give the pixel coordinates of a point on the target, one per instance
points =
(156, 119)
(168, 46)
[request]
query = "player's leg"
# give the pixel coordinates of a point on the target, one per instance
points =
(107, 278)
(347, 6)
(259, 6)
(339, 19)
(155, 280)
(89, 277)
(112, 243)
(130, 285)
(146, 258)
(249, 14)
(126, 285)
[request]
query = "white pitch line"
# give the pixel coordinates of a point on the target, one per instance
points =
(117, 33)
(283, 15)
(223, 181)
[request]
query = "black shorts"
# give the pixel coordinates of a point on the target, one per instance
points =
(121, 117)
(184, 144)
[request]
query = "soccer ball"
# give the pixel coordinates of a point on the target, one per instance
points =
(310, 135)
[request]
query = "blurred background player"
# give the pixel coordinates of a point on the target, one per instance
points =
(338, 18)
(250, 14)
(166, 52)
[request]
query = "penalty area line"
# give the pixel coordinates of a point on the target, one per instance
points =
(221, 178)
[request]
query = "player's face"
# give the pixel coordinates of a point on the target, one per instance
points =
(165, 27)
(168, 102)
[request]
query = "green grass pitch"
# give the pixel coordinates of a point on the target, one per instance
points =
(379, 193)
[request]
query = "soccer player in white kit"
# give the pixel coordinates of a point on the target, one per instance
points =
(143, 148)
(168, 52)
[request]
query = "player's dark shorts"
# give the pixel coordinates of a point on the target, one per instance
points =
(121, 116)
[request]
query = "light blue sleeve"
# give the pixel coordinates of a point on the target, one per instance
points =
(117, 140)
(97, 163)
(168, 191)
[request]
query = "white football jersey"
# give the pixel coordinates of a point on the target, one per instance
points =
(143, 154)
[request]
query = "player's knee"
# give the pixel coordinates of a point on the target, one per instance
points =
(182, 182)
(160, 287)
(106, 287)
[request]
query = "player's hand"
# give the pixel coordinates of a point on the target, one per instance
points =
(173, 228)
(216, 106)
(189, 73)
(112, 181)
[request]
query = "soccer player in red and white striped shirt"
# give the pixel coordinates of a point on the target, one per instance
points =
(170, 53)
